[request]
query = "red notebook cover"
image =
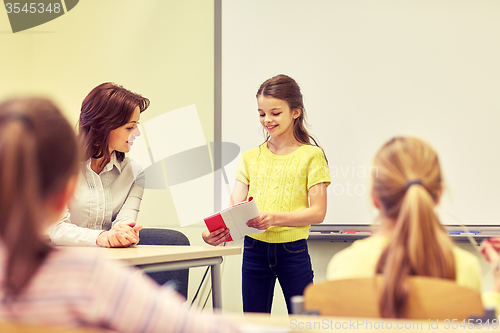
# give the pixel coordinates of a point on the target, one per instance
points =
(216, 221)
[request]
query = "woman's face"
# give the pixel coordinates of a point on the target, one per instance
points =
(122, 138)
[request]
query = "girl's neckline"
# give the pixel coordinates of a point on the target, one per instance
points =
(282, 156)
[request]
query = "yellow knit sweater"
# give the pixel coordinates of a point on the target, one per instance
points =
(280, 183)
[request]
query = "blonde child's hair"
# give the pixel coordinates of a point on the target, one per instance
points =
(408, 186)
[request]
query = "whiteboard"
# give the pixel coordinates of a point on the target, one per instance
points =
(370, 70)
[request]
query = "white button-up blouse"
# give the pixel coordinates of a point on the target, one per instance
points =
(101, 201)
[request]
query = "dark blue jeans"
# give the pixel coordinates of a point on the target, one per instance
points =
(264, 262)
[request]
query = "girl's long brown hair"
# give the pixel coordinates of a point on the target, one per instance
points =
(285, 88)
(38, 155)
(419, 244)
(106, 107)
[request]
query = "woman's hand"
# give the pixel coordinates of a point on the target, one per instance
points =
(216, 237)
(121, 235)
(263, 221)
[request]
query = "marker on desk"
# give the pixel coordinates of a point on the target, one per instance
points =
(463, 233)
(357, 232)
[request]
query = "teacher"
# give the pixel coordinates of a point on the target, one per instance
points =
(107, 200)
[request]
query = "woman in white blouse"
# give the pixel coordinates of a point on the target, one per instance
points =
(107, 200)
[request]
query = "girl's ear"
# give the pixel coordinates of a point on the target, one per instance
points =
(296, 113)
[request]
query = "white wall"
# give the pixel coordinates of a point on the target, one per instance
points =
(370, 70)
(163, 49)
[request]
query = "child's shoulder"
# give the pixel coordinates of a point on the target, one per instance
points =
(308, 151)
(358, 260)
(311, 152)
(66, 264)
(254, 151)
(312, 149)
(75, 256)
(465, 259)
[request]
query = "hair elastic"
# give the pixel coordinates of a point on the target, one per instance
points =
(413, 182)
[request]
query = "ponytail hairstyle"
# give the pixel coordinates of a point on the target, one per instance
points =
(38, 156)
(107, 107)
(408, 186)
(285, 88)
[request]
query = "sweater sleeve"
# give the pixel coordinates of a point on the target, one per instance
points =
(242, 172)
(124, 300)
(318, 169)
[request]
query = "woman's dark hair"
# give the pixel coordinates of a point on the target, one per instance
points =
(38, 156)
(107, 107)
(285, 88)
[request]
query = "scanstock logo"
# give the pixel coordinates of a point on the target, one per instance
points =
(28, 14)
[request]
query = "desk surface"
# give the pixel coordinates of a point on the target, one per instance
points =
(261, 323)
(150, 254)
(25, 328)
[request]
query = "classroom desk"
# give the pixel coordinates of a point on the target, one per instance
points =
(157, 258)
(260, 323)
(26, 328)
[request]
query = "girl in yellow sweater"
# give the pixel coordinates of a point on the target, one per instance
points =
(287, 176)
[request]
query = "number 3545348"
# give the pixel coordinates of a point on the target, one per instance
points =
(32, 8)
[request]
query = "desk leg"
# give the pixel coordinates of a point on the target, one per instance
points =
(216, 287)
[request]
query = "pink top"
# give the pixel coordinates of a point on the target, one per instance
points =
(74, 288)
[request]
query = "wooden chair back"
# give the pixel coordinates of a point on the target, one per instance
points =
(429, 298)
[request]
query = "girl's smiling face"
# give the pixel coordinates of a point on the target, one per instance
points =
(121, 138)
(275, 115)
